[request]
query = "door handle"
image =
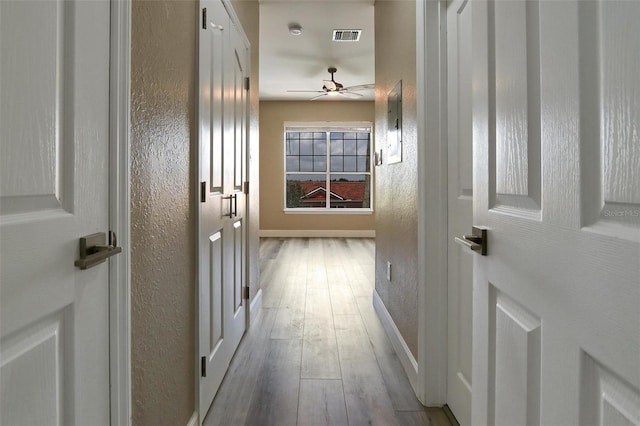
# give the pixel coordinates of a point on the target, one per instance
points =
(233, 205)
(477, 241)
(94, 250)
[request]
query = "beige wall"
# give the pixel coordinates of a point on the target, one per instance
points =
(273, 114)
(396, 192)
(162, 213)
(163, 146)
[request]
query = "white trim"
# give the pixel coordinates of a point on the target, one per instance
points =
(193, 421)
(356, 126)
(119, 213)
(432, 203)
(317, 233)
(255, 308)
(323, 210)
(405, 356)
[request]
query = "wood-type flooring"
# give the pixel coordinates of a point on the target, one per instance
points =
(318, 354)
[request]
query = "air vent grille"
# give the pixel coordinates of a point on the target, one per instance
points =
(346, 35)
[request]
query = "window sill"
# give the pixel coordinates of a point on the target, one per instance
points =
(328, 211)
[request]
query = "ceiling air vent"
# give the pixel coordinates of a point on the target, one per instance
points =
(346, 35)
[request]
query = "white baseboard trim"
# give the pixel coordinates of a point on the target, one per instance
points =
(193, 421)
(255, 307)
(317, 233)
(405, 356)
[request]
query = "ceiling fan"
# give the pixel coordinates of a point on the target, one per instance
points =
(332, 87)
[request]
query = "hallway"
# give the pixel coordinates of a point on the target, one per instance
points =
(319, 354)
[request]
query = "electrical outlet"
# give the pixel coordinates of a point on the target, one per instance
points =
(388, 271)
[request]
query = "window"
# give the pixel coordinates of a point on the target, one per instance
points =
(328, 166)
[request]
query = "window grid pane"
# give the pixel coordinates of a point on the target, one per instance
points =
(306, 152)
(349, 176)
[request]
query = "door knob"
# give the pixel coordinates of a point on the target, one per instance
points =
(477, 241)
(94, 250)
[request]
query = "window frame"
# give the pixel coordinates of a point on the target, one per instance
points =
(328, 127)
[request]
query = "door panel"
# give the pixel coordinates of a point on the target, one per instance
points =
(516, 340)
(460, 190)
(54, 140)
(213, 275)
(556, 309)
(222, 249)
(514, 54)
(609, 145)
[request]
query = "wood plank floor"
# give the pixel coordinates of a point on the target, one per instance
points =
(318, 354)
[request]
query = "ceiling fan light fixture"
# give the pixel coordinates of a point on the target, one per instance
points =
(295, 29)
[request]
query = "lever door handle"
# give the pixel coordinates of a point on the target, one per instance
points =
(94, 250)
(477, 241)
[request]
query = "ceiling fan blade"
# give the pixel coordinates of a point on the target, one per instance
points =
(318, 97)
(352, 95)
(360, 87)
(306, 91)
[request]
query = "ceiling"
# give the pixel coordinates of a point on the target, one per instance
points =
(290, 62)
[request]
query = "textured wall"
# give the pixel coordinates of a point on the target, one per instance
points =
(248, 12)
(273, 114)
(162, 213)
(396, 191)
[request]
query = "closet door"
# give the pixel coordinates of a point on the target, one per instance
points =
(222, 203)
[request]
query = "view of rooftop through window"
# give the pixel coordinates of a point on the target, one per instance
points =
(328, 168)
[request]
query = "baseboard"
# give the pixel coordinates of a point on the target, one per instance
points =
(193, 421)
(409, 363)
(255, 307)
(317, 233)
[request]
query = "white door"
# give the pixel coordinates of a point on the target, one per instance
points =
(54, 140)
(460, 208)
(222, 228)
(556, 128)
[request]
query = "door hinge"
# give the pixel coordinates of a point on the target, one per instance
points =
(245, 188)
(203, 366)
(245, 293)
(204, 18)
(247, 83)
(203, 192)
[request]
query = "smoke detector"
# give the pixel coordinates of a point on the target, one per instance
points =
(295, 29)
(346, 35)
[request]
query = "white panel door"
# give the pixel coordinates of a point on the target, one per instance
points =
(54, 140)
(221, 224)
(235, 146)
(460, 208)
(556, 130)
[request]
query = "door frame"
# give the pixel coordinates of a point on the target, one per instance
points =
(431, 80)
(119, 212)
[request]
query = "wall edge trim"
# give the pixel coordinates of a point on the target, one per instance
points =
(316, 233)
(255, 308)
(408, 361)
(193, 421)
(120, 393)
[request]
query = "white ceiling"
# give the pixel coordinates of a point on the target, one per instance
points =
(289, 62)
